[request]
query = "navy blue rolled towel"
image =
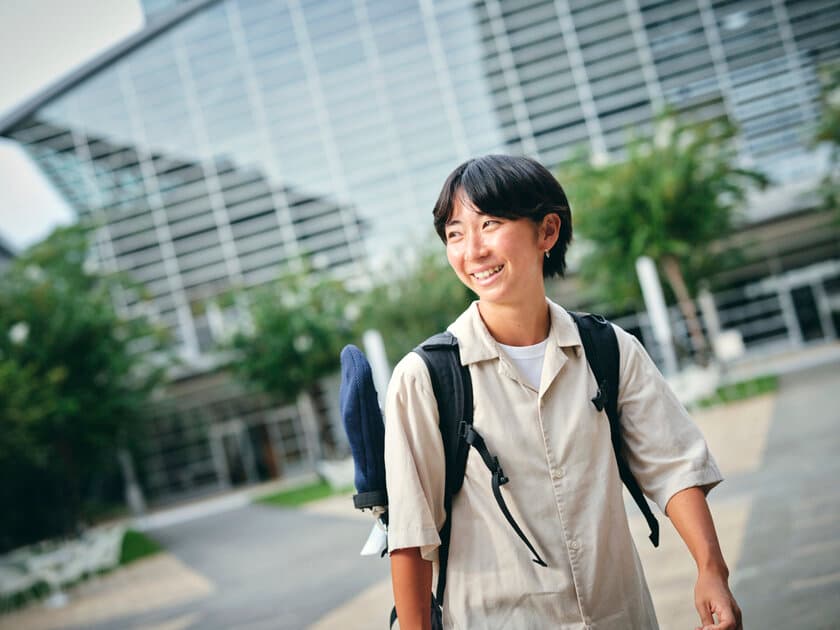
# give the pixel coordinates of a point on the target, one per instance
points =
(365, 428)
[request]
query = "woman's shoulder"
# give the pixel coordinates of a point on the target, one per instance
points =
(411, 372)
(411, 365)
(410, 400)
(625, 339)
(630, 348)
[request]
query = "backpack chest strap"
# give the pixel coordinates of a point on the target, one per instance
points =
(474, 439)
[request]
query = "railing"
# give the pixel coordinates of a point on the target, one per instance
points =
(779, 313)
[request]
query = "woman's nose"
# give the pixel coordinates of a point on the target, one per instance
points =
(475, 246)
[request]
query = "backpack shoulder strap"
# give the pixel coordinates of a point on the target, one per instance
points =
(601, 348)
(453, 389)
(452, 386)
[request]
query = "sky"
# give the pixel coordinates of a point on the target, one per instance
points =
(40, 41)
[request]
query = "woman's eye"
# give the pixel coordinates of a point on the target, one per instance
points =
(452, 235)
(490, 222)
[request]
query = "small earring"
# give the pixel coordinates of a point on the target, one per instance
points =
(547, 254)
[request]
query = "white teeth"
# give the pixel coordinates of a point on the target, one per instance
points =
(481, 275)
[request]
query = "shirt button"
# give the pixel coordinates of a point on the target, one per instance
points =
(559, 472)
(574, 545)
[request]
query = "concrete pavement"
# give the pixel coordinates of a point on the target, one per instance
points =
(778, 515)
(788, 575)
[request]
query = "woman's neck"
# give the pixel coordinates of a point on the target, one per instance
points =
(519, 324)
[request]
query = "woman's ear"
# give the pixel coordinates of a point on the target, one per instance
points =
(550, 230)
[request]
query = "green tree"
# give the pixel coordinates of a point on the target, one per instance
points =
(299, 324)
(671, 199)
(828, 132)
(71, 387)
(408, 308)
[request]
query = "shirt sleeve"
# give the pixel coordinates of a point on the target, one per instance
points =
(666, 451)
(415, 468)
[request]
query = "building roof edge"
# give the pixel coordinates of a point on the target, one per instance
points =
(112, 54)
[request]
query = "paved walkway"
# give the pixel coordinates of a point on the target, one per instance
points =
(778, 515)
(159, 582)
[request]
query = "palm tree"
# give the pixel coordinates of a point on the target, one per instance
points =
(671, 199)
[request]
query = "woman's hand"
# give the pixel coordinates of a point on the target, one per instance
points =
(713, 597)
(690, 515)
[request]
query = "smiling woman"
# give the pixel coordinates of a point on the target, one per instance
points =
(508, 188)
(506, 225)
(501, 218)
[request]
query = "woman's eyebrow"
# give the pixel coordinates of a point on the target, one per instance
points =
(475, 211)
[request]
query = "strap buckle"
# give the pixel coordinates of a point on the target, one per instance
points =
(600, 398)
(466, 432)
(498, 472)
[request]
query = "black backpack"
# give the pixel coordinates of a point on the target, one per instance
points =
(453, 390)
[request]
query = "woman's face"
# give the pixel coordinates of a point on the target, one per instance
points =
(499, 259)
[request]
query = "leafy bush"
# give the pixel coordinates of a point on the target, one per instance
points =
(71, 386)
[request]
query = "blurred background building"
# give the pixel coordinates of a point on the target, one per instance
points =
(231, 137)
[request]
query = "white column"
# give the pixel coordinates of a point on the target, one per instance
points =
(375, 351)
(133, 494)
(657, 311)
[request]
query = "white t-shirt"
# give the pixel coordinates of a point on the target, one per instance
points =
(528, 360)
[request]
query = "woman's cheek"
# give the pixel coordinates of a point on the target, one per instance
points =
(453, 257)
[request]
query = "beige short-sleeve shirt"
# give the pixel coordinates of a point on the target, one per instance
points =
(564, 489)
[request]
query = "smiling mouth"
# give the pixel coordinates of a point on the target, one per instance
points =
(483, 275)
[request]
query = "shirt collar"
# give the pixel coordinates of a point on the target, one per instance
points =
(476, 343)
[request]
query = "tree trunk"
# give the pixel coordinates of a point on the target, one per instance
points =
(71, 490)
(309, 422)
(675, 278)
(325, 432)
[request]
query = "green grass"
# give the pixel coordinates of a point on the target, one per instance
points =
(136, 545)
(741, 391)
(302, 494)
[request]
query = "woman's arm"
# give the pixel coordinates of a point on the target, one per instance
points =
(690, 514)
(411, 577)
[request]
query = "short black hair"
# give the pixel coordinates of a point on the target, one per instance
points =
(511, 187)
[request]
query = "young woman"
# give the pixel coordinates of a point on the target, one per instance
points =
(506, 225)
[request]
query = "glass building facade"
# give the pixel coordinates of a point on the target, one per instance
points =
(231, 137)
(239, 135)
(576, 72)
